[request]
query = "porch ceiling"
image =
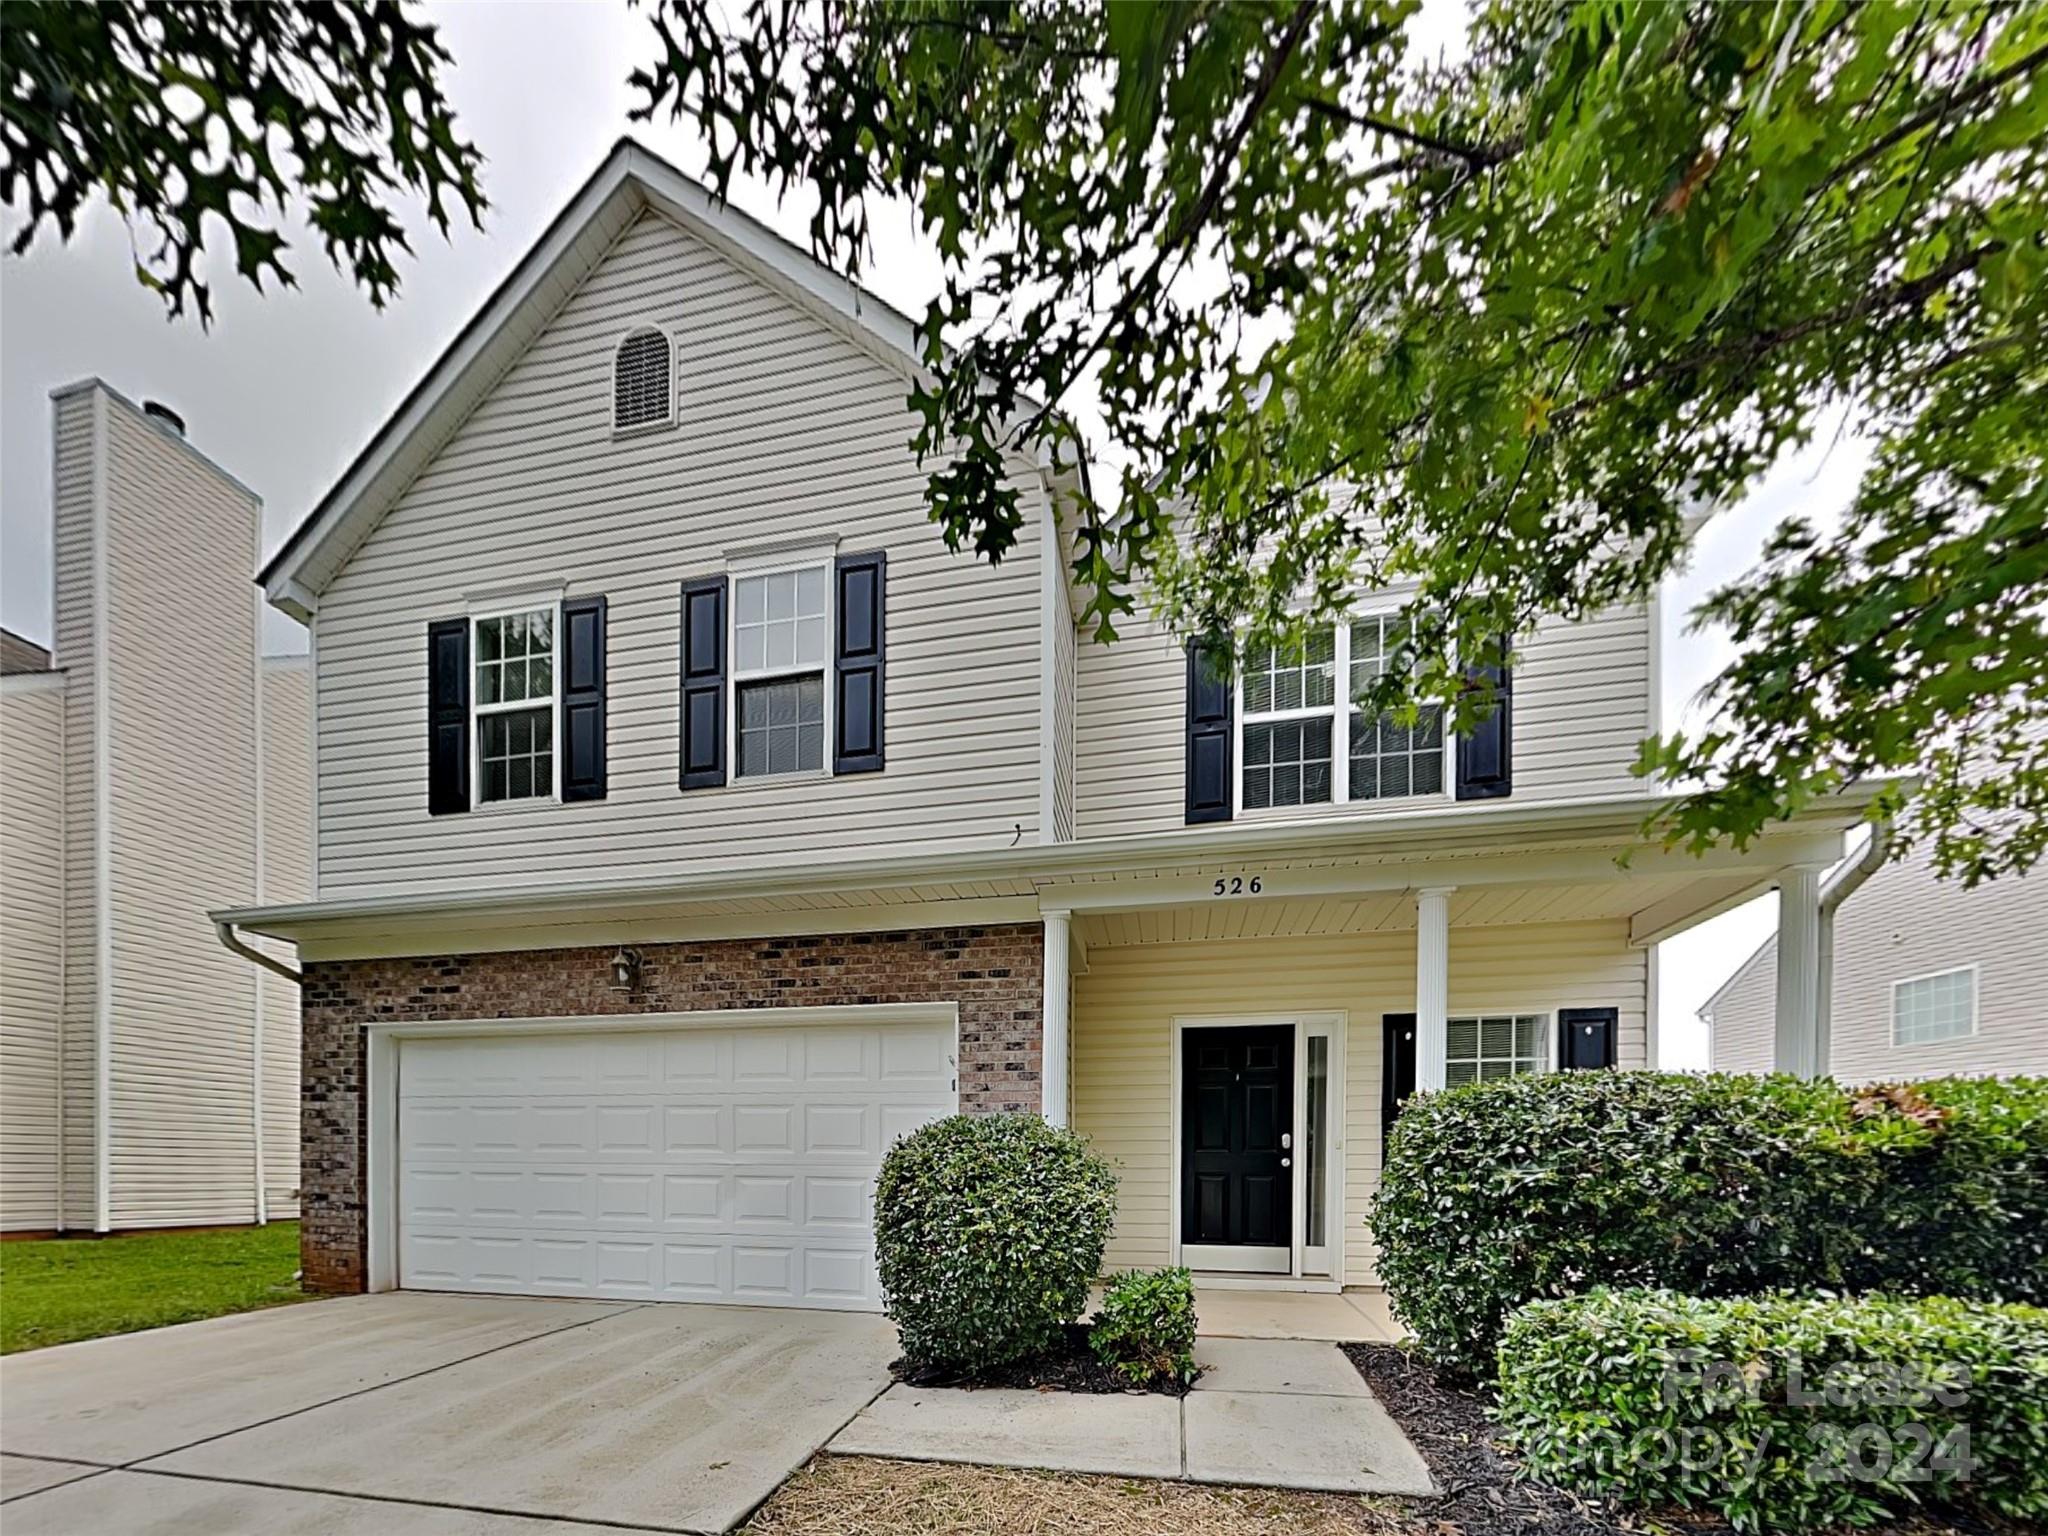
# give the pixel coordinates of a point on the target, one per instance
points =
(1392, 911)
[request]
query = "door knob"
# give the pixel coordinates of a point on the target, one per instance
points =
(1286, 1162)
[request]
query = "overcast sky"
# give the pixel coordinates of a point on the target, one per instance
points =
(287, 386)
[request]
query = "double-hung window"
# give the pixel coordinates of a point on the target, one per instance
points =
(781, 649)
(514, 705)
(1495, 1045)
(1305, 737)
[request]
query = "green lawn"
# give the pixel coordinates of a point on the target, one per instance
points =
(69, 1288)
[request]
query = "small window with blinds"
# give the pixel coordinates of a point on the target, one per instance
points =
(643, 392)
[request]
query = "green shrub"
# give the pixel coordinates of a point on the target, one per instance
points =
(1782, 1412)
(988, 1231)
(1961, 1204)
(1145, 1329)
(1497, 1193)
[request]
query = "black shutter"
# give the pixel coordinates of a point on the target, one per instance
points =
(1586, 1038)
(1209, 754)
(447, 716)
(1486, 758)
(857, 663)
(1397, 1071)
(583, 701)
(703, 698)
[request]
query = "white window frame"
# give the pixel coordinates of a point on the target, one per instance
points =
(1339, 712)
(552, 607)
(1546, 1037)
(1906, 981)
(611, 399)
(738, 569)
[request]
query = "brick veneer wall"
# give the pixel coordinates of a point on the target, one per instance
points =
(995, 974)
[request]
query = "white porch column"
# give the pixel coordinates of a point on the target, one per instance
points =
(1052, 1064)
(1797, 1045)
(1432, 984)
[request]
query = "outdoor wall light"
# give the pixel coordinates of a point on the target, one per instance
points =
(626, 970)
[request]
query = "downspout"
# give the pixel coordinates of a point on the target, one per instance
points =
(1839, 890)
(225, 931)
(256, 1044)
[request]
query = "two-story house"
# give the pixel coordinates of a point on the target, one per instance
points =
(692, 823)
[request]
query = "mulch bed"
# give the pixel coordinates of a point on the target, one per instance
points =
(1483, 1496)
(1069, 1366)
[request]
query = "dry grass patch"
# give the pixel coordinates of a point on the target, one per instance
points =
(863, 1496)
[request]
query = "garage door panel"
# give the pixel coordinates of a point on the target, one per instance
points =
(714, 1165)
(789, 1198)
(808, 1272)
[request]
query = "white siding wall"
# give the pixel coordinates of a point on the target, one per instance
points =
(1582, 703)
(154, 814)
(786, 430)
(75, 540)
(1125, 1003)
(1065, 644)
(287, 876)
(1906, 923)
(181, 675)
(31, 947)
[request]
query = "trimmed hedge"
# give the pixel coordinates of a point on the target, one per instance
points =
(1146, 1326)
(1782, 1412)
(988, 1232)
(1548, 1185)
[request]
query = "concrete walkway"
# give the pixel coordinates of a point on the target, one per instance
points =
(1343, 1317)
(431, 1416)
(1270, 1413)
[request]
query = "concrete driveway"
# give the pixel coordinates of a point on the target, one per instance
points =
(437, 1415)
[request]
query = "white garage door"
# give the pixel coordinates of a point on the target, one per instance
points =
(677, 1165)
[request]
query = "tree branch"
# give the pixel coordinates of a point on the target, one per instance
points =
(2025, 65)
(1479, 156)
(1194, 217)
(1762, 343)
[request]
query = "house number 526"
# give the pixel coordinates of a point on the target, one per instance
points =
(1238, 885)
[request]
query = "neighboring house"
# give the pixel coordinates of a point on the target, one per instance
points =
(1930, 980)
(691, 823)
(152, 766)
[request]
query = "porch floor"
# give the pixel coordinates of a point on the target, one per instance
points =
(1348, 1317)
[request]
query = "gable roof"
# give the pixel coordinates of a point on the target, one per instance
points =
(631, 181)
(1706, 1010)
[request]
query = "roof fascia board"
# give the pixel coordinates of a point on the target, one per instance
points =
(632, 170)
(1616, 822)
(280, 575)
(1706, 1010)
(870, 323)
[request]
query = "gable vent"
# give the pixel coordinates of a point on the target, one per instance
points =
(640, 381)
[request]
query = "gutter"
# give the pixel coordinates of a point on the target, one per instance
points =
(1839, 890)
(224, 930)
(1484, 829)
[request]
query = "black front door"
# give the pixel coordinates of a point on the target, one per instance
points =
(1237, 1119)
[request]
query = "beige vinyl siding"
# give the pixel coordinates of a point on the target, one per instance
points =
(1905, 923)
(1582, 697)
(1126, 1001)
(287, 876)
(75, 549)
(181, 679)
(786, 432)
(31, 948)
(1741, 1035)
